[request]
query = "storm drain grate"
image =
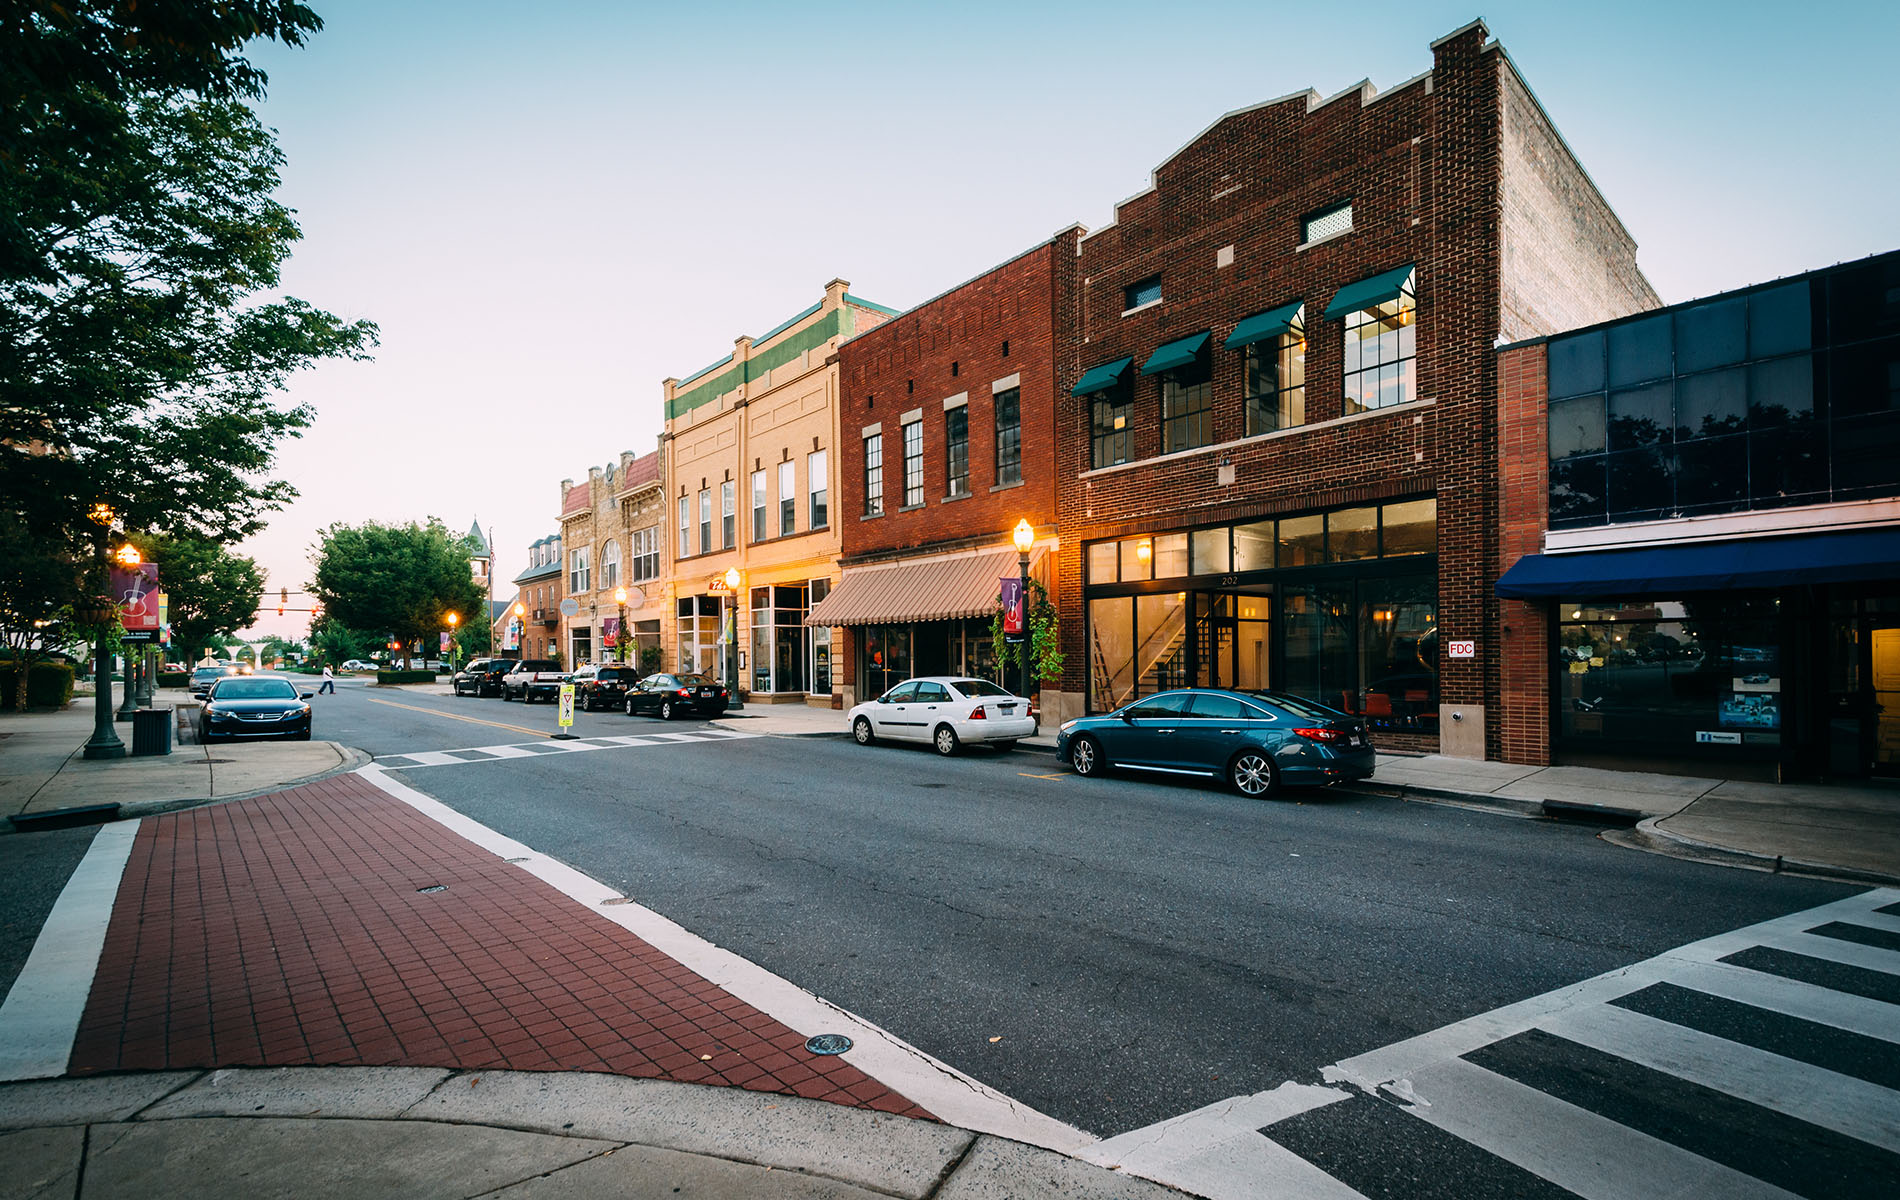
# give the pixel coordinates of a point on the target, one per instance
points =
(828, 1043)
(434, 887)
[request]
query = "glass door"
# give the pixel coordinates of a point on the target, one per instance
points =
(1884, 674)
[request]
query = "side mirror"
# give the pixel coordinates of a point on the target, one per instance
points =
(1126, 715)
(306, 695)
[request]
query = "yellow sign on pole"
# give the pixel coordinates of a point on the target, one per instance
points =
(567, 706)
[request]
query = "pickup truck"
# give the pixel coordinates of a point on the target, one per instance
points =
(532, 677)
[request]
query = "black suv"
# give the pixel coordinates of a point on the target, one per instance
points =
(604, 686)
(481, 677)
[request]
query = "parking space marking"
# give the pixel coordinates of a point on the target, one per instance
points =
(1057, 775)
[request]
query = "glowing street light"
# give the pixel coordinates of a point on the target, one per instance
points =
(620, 630)
(1025, 538)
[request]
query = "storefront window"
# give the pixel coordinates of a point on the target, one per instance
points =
(698, 626)
(1170, 555)
(1209, 552)
(1398, 653)
(1352, 534)
(1253, 546)
(820, 643)
(1102, 559)
(1137, 559)
(886, 657)
(759, 656)
(1410, 528)
(1317, 620)
(1112, 652)
(1303, 541)
(1668, 677)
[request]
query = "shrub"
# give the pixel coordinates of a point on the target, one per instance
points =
(405, 677)
(48, 684)
(174, 679)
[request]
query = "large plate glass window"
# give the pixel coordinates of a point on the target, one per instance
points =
(1382, 353)
(1275, 378)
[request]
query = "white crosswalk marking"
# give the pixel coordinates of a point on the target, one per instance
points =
(480, 754)
(1227, 1149)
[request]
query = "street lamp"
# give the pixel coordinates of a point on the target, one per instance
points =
(732, 649)
(454, 619)
(521, 630)
(1024, 537)
(105, 742)
(620, 630)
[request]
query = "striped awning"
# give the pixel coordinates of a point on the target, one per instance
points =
(919, 589)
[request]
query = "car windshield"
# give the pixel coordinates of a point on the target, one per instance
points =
(1301, 707)
(243, 688)
(979, 687)
(695, 681)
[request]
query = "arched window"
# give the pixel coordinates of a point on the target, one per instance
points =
(610, 564)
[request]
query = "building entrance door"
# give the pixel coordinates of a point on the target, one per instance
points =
(1230, 638)
(1884, 676)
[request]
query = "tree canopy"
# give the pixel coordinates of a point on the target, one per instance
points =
(402, 580)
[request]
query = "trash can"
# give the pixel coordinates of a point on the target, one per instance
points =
(152, 731)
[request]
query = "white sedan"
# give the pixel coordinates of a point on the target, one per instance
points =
(946, 711)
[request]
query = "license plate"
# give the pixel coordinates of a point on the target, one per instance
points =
(1355, 741)
(1007, 708)
(705, 691)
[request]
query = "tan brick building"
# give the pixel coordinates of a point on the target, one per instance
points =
(612, 526)
(750, 472)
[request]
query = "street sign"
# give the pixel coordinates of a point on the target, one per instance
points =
(567, 706)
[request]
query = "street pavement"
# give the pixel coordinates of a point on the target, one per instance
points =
(345, 986)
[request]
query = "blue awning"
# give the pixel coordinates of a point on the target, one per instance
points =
(1368, 293)
(1175, 355)
(1262, 326)
(1101, 377)
(1849, 556)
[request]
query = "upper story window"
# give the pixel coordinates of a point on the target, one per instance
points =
(1187, 414)
(1009, 437)
(645, 548)
(913, 463)
(1111, 434)
(578, 574)
(818, 485)
(956, 450)
(705, 520)
(1328, 222)
(728, 514)
(874, 475)
(1380, 316)
(1275, 377)
(787, 498)
(1143, 292)
(758, 506)
(686, 526)
(610, 564)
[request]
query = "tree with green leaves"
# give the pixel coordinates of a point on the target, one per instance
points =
(140, 365)
(333, 642)
(399, 580)
(38, 586)
(210, 592)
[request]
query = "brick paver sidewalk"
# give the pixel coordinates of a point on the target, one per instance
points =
(291, 930)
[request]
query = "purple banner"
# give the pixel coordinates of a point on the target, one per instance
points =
(136, 591)
(1012, 603)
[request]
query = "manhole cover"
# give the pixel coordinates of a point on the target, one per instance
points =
(434, 887)
(828, 1043)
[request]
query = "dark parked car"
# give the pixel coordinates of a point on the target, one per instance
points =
(604, 686)
(666, 696)
(533, 677)
(203, 677)
(481, 677)
(254, 706)
(1256, 741)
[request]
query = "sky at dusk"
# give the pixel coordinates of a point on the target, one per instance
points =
(550, 209)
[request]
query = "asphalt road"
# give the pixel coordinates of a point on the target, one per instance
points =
(1138, 949)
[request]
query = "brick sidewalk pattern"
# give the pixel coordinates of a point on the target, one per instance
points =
(289, 930)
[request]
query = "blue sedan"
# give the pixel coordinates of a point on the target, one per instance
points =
(1256, 741)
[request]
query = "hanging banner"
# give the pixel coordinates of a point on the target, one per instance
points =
(136, 591)
(1012, 586)
(610, 632)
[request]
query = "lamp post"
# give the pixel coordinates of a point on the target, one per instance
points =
(733, 703)
(454, 619)
(521, 630)
(1025, 537)
(620, 630)
(105, 742)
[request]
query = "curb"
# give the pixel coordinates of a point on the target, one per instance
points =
(1412, 793)
(1648, 835)
(353, 759)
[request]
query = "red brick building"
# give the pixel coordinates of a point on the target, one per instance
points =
(947, 425)
(1276, 440)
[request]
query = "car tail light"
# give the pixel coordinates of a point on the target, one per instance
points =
(977, 714)
(684, 692)
(1320, 735)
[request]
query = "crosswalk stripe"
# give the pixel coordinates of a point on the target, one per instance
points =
(1575, 1149)
(1216, 1151)
(1792, 998)
(475, 754)
(1808, 1093)
(1876, 920)
(1851, 954)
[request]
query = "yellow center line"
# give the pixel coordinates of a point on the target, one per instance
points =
(436, 712)
(1027, 775)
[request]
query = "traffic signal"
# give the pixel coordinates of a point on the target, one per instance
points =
(283, 598)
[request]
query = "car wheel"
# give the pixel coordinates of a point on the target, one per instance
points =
(666, 710)
(1086, 757)
(629, 706)
(1253, 774)
(861, 730)
(945, 740)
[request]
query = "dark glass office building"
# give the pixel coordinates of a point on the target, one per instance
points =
(1719, 569)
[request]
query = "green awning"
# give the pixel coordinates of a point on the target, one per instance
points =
(1101, 377)
(1369, 292)
(1262, 326)
(1175, 355)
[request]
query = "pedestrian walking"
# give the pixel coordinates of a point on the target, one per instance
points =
(329, 681)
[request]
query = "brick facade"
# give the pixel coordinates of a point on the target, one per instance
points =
(1524, 507)
(607, 509)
